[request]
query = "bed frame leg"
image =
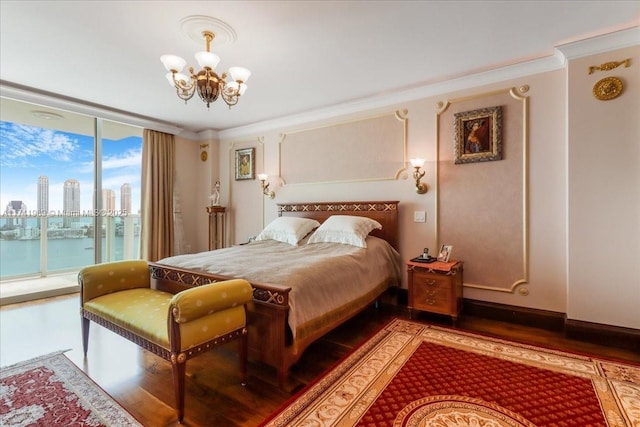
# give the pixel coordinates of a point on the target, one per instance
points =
(282, 377)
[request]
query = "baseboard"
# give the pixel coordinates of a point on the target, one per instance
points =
(614, 336)
(32, 296)
(549, 320)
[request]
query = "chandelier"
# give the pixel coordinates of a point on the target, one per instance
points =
(206, 82)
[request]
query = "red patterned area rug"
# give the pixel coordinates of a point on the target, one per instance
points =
(416, 375)
(50, 391)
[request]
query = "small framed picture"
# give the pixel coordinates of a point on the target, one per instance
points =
(245, 164)
(445, 253)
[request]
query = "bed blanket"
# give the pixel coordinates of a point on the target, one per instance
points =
(325, 278)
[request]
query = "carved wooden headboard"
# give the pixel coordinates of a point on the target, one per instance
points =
(385, 212)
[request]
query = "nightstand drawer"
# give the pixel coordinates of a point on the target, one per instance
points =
(430, 281)
(428, 303)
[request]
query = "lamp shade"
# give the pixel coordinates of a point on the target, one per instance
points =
(207, 59)
(417, 162)
(173, 63)
(239, 74)
(263, 176)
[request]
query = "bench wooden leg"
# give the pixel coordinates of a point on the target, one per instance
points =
(85, 335)
(179, 370)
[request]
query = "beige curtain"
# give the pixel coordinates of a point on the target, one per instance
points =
(158, 165)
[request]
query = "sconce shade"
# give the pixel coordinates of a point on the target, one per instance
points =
(417, 162)
(263, 176)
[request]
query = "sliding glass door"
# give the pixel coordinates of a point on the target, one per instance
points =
(69, 190)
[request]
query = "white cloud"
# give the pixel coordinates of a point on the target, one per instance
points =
(21, 143)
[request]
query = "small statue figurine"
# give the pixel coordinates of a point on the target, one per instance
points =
(215, 197)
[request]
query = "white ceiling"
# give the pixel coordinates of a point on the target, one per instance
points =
(304, 55)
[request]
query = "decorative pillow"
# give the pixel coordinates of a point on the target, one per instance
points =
(288, 229)
(346, 229)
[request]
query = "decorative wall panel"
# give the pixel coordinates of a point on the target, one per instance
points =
(482, 207)
(363, 150)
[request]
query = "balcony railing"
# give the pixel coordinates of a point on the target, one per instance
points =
(37, 246)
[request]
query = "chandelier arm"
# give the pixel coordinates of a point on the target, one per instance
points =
(230, 98)
(184, 90)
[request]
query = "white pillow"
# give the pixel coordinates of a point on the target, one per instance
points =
(288, 229)
(346, 229)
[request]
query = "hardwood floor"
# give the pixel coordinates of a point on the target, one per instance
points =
(141, 382)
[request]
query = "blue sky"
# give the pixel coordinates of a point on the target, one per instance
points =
(26, 152)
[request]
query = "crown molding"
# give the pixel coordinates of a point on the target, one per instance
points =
(625, 37)
(598, 44)
(508, 72)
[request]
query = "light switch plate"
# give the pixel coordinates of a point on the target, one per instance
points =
(419, 216)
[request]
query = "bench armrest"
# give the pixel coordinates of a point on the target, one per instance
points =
(204, 300)
(101, 279)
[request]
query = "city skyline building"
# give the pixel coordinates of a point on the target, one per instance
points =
(13, 208)
(70, 201)
(43, 194)
(108, 200)
(125, 199)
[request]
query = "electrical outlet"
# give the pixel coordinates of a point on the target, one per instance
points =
(419, 216)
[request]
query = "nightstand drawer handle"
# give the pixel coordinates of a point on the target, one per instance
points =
(431, 293)
(430, 282)
(430, 301)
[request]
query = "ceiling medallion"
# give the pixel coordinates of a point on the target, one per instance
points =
(608, 88)
(193, 26)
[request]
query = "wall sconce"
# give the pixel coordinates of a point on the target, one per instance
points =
(265, 185)
(421, 187)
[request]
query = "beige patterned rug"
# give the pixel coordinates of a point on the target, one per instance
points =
(418, 375)
(51, 391)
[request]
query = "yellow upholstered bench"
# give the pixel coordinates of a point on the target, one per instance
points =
(118, 296)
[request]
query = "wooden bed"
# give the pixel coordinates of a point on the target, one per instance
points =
(270, 338)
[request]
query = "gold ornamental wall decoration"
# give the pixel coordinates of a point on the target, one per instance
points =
(203, 154)
(608, 66)
(608, 88)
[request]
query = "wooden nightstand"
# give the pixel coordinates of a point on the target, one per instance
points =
(435, 287)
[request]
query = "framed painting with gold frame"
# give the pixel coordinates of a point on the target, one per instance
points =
(245, 164)
(478, 135)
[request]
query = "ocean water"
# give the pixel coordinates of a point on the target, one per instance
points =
(22, 257)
